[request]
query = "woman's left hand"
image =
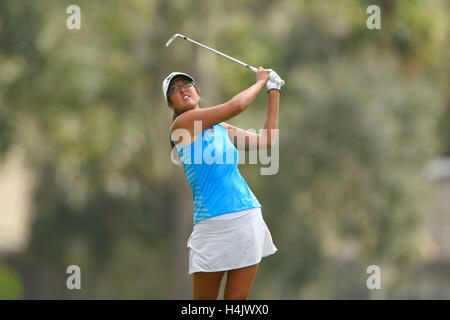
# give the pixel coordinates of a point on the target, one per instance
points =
(271, 84)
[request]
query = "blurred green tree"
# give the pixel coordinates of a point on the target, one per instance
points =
(361, 114)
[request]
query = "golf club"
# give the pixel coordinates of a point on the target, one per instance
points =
(272, 76)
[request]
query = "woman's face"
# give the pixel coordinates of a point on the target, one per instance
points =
(185, 98)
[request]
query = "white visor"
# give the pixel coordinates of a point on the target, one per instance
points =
(166, 82)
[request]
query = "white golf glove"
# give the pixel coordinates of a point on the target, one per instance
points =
(271, 83)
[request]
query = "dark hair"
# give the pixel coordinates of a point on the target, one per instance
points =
(175, 113)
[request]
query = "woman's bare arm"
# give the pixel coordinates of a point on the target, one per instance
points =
(214, 115)
(248, 140)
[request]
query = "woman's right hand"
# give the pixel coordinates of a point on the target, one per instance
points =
(262, 75)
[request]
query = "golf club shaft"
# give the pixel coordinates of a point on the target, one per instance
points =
(223, 54)
(277, 79)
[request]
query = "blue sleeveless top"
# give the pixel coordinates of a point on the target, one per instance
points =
(210, 163)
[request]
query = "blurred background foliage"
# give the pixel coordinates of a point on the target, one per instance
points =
(361, 114)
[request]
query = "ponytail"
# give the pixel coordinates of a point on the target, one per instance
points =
(175, 115)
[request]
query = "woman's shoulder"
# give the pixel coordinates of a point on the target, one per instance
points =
(183, 137)
(172, 127)
(224, 125)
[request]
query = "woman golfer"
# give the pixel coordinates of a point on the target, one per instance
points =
(229, 233)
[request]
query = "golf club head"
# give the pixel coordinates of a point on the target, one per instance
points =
(173, 38)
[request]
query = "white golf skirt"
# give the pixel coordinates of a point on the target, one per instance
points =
(229, 241)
